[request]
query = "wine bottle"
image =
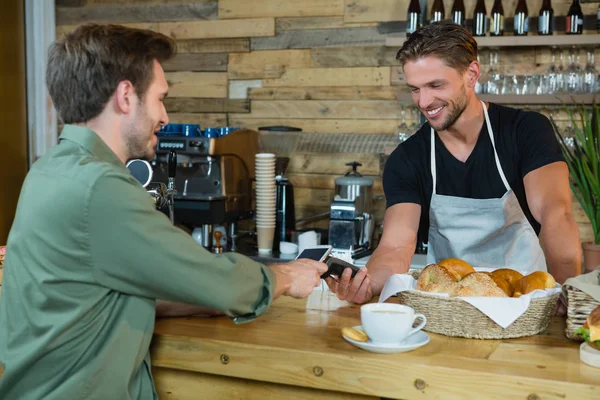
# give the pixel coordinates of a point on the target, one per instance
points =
(479, 19)
(458, 12)
(413, 17)
(497, 19)
(521, 21)
(437, 11)
(545, 20)
(574, 19)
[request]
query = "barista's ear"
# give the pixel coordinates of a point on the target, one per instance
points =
(472, 74)
(124, 97)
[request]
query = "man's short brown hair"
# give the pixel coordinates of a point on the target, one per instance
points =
(85, 68)
(446, 40)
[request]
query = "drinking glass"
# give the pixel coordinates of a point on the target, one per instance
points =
(590, 74)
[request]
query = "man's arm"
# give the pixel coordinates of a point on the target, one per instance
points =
(166, 308)
(392, 256)
(549, 198)
(397, 244)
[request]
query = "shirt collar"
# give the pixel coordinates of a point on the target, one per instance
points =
(90, 141)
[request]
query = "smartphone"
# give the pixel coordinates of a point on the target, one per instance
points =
(317, 253)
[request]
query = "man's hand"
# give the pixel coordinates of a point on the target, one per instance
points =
(297, 278)
(357, 290)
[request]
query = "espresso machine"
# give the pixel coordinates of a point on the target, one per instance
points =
(162, 194)
(351, 220)
(213, 180)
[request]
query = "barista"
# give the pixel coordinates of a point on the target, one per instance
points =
(478, 181)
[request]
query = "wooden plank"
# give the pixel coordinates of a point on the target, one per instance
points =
(321, 163)
(238, 89)
(137, 13)
(378, 10)
(325, 181)
(62, 30)
(326, 109)
(198, 105)
(366, 76)
(308, 39)
(313, 197)
(325, 93)
(204, 119)
(197, 84)
(213, 46)
(174, 384)
(197, 62)
(266, 64)
(364, 126)
(219, 29)
(280, 8)
(335, 57)
(302, 23)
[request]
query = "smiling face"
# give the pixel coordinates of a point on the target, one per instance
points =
(441, 92)
(148, 115)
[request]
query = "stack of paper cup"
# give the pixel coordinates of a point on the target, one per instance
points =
(265, 201)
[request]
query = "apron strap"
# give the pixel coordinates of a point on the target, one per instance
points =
(433, 168)
(490, 133)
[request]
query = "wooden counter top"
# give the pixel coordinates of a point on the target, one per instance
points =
(298, 342)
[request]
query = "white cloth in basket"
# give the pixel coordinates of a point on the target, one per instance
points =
(502, 310)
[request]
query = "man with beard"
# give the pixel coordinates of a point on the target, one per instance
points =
(478, 181)
(88, 254)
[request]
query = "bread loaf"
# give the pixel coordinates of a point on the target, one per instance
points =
(536, 280)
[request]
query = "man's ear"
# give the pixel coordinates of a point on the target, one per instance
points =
(472, 74)
(124, 97)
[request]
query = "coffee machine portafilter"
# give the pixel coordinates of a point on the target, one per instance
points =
(163, 195)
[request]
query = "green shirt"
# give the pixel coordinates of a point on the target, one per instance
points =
(87, 256)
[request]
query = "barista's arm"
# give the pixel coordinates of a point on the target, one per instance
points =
(392, 256)
(549, 198)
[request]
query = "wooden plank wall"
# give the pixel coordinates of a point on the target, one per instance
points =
(320, 65)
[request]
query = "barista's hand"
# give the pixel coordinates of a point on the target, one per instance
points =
(357, 290)
(298, 278)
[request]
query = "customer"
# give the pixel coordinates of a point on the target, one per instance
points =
(88, 254)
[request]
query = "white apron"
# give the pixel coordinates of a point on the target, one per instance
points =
(491, 233)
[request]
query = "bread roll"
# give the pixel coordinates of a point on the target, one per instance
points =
(503, 284)
(510, 275)
(463, 268)
(536, 280)
(433, 273)
(478, 284)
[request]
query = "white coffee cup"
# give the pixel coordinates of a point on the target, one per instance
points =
(389, 323)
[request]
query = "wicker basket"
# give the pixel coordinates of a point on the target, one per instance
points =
(579, 307)
(454, 317)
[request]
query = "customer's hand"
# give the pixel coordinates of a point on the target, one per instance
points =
(357, 290)
(298, 278)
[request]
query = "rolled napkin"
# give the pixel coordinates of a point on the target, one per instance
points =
(588, 283)
(502, 310)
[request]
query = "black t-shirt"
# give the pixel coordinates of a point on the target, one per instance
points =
(524, 140)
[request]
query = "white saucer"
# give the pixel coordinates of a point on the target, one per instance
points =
(411, 343)
(589, 355)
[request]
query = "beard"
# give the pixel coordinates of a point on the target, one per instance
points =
(455, 109)
(137, 139)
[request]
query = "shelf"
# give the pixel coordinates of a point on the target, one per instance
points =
(397, 40)
(528, 99)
